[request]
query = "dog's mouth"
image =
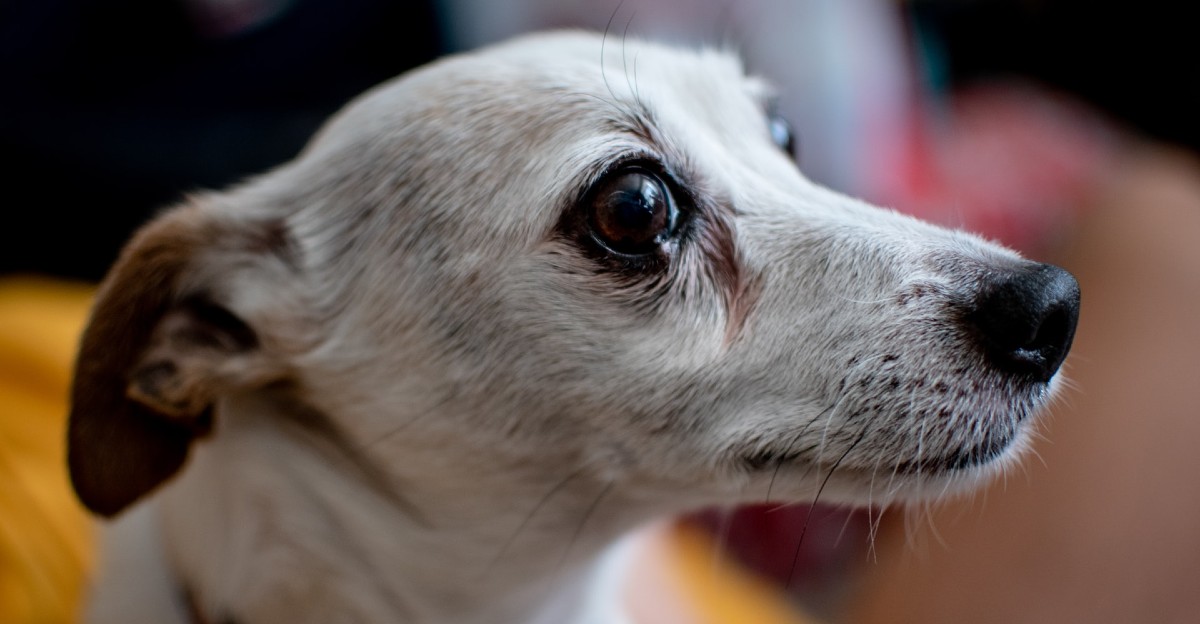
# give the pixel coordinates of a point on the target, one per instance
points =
(958, 438)
(994, 447)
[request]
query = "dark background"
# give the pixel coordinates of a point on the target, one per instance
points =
(112, 110)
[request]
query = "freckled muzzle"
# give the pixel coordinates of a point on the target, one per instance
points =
(1024, 319)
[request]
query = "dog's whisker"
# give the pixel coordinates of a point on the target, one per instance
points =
(930, 521)
(892, 486)
(842, 531)
(879, 507)
(874, 521)
(541, 502)
(821, 445)
(812, 506)
(399, 429)
(920, 463)
(583, 520)
(787, 450)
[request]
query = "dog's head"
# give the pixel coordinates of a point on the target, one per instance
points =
(603, 261)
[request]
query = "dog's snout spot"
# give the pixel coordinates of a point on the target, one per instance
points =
(1026, 319)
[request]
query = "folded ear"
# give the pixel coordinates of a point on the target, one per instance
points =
(160, 347)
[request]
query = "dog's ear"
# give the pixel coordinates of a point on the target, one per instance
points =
(160, 347)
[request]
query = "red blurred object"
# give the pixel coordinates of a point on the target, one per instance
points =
(1008, 161)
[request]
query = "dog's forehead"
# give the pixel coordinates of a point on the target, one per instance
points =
(627, 62)
(544, 86)
(521, 128)
(708, 85)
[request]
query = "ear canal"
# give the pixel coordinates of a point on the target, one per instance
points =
(144, 379)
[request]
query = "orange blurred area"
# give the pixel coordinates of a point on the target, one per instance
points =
(46, 543)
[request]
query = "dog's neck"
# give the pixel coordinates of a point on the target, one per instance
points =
(273, 523)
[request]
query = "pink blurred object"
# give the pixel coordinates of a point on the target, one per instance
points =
(1009, 161)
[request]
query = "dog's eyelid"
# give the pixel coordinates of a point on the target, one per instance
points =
(677, 183)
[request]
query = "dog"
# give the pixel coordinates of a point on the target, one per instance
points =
(505, 309)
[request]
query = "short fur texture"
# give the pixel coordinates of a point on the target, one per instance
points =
(398, 379)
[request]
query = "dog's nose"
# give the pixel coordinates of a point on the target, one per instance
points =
(1026, 319)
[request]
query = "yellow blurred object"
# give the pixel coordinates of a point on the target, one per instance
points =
(46, 543)
(723, 592)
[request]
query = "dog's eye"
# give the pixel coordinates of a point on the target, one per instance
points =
(782, 134)
(632, 211)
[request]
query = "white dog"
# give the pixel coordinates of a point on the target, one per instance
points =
(503, 310)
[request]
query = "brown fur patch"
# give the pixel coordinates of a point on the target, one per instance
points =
(739, 289)
(135, 407)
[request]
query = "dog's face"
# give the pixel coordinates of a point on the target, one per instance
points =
(532, 257)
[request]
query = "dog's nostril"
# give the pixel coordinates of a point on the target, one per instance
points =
(1026, 319)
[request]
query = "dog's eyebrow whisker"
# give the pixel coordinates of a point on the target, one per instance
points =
(626, 110)
(624, 56)
(637, 90)
(603, 44)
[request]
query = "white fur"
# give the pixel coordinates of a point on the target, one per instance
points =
(506, 407)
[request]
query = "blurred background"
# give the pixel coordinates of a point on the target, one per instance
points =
(1064, 128)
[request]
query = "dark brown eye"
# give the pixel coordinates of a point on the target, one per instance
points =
(632, 211)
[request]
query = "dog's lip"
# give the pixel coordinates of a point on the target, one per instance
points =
(954, 461)
(768, 458)
(998, 442)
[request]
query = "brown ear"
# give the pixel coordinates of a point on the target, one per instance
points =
(154, 356)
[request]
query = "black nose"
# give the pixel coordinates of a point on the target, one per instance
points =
(1026, 319)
